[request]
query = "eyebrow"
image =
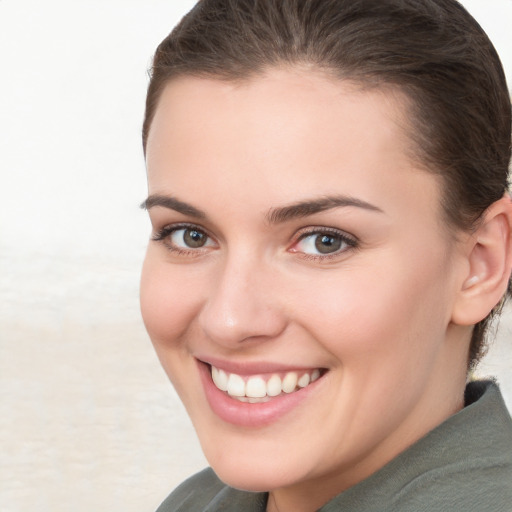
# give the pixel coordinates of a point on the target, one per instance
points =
(172, 204)
(274, 215)
(306, 208)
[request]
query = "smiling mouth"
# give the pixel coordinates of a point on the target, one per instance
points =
(262, 388)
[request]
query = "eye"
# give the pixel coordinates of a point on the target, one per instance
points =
(323, 242)
(189, 238)
(184, 238)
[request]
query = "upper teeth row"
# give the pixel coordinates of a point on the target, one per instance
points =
(257, 387)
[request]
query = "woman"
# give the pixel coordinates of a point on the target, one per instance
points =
(331, 236)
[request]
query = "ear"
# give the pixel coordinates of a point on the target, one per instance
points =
(489, 253)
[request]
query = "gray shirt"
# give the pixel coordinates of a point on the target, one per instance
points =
(463, 465)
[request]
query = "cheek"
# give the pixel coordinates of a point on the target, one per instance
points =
(169, 305)
(168, 302)
(394, 313)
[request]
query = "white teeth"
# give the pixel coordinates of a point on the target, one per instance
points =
(290, 382)
(252, 400)
(258, 400)
(303, 381)
(220, 378)
(236, 385)
(256, 389)
(274, 386)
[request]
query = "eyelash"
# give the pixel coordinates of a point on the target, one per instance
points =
(350, 241)
(162, 234)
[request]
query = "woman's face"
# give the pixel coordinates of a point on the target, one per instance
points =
(296, 246)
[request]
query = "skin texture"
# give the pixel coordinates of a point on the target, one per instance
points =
(378, 316)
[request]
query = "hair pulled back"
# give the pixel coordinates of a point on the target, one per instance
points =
(432, 51)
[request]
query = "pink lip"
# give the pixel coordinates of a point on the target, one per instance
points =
(259, 368)
(245, 414)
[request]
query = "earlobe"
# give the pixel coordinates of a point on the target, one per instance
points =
(489, 254)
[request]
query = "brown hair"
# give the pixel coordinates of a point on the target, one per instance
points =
(431, 50)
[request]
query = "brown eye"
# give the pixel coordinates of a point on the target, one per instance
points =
(193, 238)
(184, 238)
(326, 244)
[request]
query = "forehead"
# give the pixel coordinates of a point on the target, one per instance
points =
(279, 98)
(293, 131)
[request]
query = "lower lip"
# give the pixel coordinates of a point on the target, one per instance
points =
(246, 414)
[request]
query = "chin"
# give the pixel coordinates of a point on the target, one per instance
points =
(252, 479)
(257, 470)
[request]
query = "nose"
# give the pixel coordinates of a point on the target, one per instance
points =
(242, 305)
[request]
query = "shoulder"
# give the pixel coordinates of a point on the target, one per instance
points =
(204, 492)
(463, 465)
(466, 463)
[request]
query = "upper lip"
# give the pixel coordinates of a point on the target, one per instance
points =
(253, 368)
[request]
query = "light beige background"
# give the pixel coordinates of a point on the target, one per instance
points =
(88, 420)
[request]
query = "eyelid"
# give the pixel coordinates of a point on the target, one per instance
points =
(170, 228)
(350, 240)
(163, 233)
(312, 230)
